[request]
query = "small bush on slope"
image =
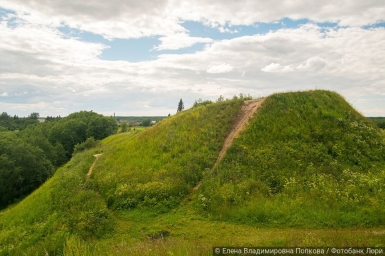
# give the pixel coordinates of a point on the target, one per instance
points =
(307, 159)
(88, 144)
(162, 165)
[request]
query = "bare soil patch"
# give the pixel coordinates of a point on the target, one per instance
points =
(241, 121)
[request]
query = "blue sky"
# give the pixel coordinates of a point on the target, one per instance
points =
(134, 58)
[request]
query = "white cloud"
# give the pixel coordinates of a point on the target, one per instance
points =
(247, 12)
(112, 19)
(135, 19)
(273, 67)
(79, 83)
(180, 40)
(223, 68)
(226, 30)
(314, 64)
(4, 94)
(47, 43)
(62, 75)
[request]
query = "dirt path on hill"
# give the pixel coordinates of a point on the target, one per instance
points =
(241, 120)
(92, 167)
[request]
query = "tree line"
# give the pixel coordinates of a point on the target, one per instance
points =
(12, 123)
(379, 121)
(31, 153)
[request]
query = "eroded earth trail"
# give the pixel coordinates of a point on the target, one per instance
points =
(92, 167)
(241, 120)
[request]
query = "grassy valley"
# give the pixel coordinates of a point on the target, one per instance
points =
(308, 170)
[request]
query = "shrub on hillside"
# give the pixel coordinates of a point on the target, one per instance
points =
(201, 102)
(88, 216)
(88, 144)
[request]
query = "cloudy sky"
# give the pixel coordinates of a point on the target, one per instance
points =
(139, 57)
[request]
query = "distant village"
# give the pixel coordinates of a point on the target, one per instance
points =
(135, 123)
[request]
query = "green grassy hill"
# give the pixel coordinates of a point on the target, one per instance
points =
(307, 160)
(159, 167)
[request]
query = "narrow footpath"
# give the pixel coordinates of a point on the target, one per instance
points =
(92, 167)
(241, 121)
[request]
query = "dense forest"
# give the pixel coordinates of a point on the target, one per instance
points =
(379, 121)
(8, 123)
(31, 151)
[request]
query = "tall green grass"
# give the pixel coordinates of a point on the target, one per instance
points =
(43, 221)
(160, 166)
(140, 200)
(153, 169)
(307, 159)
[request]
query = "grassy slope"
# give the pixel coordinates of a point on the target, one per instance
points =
(161, 164)
(307, 160)
(67, 215)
